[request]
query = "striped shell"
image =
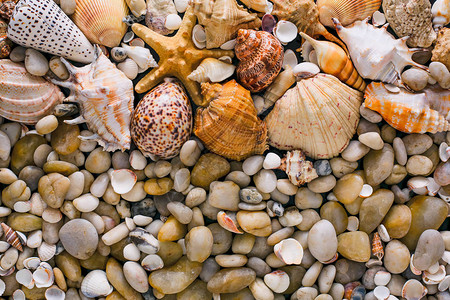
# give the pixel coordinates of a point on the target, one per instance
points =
(11, 237)
(261, 58)
(42, 25)
(162, 121)
(229, 126)
(101, 20)
(427, 111)
(298, 169)
(105, 96)
(319, 116)
(346, 11)
(377, 246)
(23, 97)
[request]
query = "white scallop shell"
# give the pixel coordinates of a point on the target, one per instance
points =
(285, 31)
(25, 277)
(46, 251)
(54, 293)
(123, 180)
(96, 284)
(199, 36)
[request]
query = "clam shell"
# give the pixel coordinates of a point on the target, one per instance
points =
(347, 11)
(319, 115)
(258, 5)
(366, 191)
(381, 292)
(54, 293)
(137, 7)
(96, 284)
(213, 70)
(413, 289)
(290, 251)
(173, 22)
(101, 20)
(43, 275)
(18, 295)
(285, 31)
(228, 222)
(2, 287)
(129, 68)
(199, 36)
(434, 278)
(46, 251)
(31, 263)
(25, 277)
(305, 70)
(152, 262)
(289, 59)
(123, 180)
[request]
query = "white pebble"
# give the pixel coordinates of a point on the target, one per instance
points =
(440, 73)
(190, 153)
(98, 187)
(68, 6)
(86, 203)
(271, 161)
(372, 140)
(265, 181)
(137, 160)
(47, 124)
(162, 168)
(141, 220)
(278, 281)
(181, 5)
(58, 68)
(253, 164)
(131, 252)
(173, 22)
(36, 63)
(18, 54)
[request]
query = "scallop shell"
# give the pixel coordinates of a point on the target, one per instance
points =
(413, 289)
(427, 111)
(157, 11)
(261, 57)
(319, 116)
(289, 251)
(42, 25)
(298, 169)
(441, 51)
(411, 18)
(213, 70)
(96, 284)
(105, 96)
(333, 60)
(162, 121)
(11, 237)
(346, 11)
(23, 97)
(441, 13)
(380, 57)
(46, 251)
(229, 126)
(222, 19)
(101, 20)
(377, 246)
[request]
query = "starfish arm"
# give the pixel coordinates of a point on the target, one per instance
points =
(216, 53)
(193, 90)
(189, 20)
(150, 80)
(155, 40)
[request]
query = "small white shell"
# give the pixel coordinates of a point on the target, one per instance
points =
(277, 281)
(152, 262)
(46, 251)
(54, 293)
(96, 284)
(131, 252)
(228, 45)
(2, 287)
(290, 59)
(129, 68)
(285, 31)
(25, 277)
(384, 235)
(414, 270)
(444, 151)
(34, 239)
(382, 278)
(381, 292)
(141, 56)
(181, 5)
(432, 187)
(435, 278)
(226, 59)
(123, 180)
(199, 36)
(417, 183)
(378, 18)
(366, 191)
(31, 263)
(128, 36)
(444, 284)
(137, 42)
(211, 69)
(43, 276)
(18, 295)
(173, 22)
(444, 196)
(290, 251)
(413, 289)
(306, 50)
(305, 70)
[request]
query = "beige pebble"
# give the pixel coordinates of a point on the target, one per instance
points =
(417, 143)
(355, 151)
(286, 187)
(180, 211)
(181, 180)
(388, 133)
(190, 153)
(265, 181)
(224, 195)
(279, 235)
(199, 243)
(116, 234)
(253, 164)
(35, 62)
(138, 160)
(305, 198)
(370, 115)
(41, 153)
(162, 168)
(260, 290)
(56, 66)
(310, 217)
(415, 78)
(400, 151)
(47, 124)
(136, 276)
(419, 165)
(137, 193)
(195, 197)
(86, 203)
(98, 161)
(87, 145)
(312, 274)
(231, 261)
(239, 177)
(322, 184)
(243, 243)
(100, 184)
(7, 176)
(372, 140)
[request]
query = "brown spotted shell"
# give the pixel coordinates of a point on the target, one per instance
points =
(162, 121)
(261, 57)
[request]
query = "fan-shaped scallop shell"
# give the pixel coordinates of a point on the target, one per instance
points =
(105, 96)
(42, 25)
(162, 121)
(229, 126)
(346, 11)
(96, 284)
(441, 51)
(319, 116)
(101, 20)
(427, 111)
(261, 58)
(380, 57)
(23, 97)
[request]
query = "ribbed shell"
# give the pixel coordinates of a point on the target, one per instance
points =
(162, 121)
(23, 97)
(96, 284)
(412, 113)
(42, 25)
(101, 20)
(319, 116)
(346, 11)
(11, 237)
(229, 126)
(261, 57)
(377, 246)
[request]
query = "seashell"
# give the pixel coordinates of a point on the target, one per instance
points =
(290, 251)
(381, 293)
(289, 59)
(129, 68)
(173, 22)
(378, 18)
(346, 11)
(7, 8)
(377, 246)
(128, 37)
(162, 121)
(258, 5)
(137, 7)
(137, 42)
(413, 290)
(279, 86)
(95, 284)
(46, 251)
(228, 45)
(444, 151)
(319, 116)
(123, 180)
(226, 59)
(11, 237)
(18, 295)
(268, 23)
(441, 13)
(7, 272)
(441, 51)
(229, 126)
(43, 275)
(213, 70)
(260, 57)
(31, 263)
(228, 222)
(118, 54)
(141, 56)
(305, 70)
(199, 36)
(444, 284)
(411, 19)
(411, 112)
(366, 191)
(222, 19)
(157, 11)
(434, 278)
(152, 262)
(105, 96)
(414, 270)
(333, 60)
(379, 58)
(5, 42)
(101, 20)
(298, 169)
(25, 277)
(54, 293)
(285, 31)
(349, 288)
(145, 242)
(48, 29)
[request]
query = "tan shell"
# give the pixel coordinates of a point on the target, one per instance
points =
(157, 11)
(298, 169)
(441, 51)
(347, 11)
(319, 116)
(411, 18)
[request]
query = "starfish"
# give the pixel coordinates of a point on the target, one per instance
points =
(178, 57)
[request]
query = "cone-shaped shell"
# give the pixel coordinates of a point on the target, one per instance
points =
(23, 97)
(11, 237)
(101, 20)
(212, 69)
(319, 116)
(229, 126)
(408, 112)
(261, 57)
(42, 25)
(162, 121)
(346, 11)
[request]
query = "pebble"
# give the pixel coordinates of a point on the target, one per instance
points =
(366, 126)
(243, 243)
(322, 241)
(326, 278)
(79, 238)
(180, 211)
(378, 164)
(209, 167)
(158, 186)
(100, 184)
(116, 277)
(307, 293)
(419, 165)
(53, 189)
(239, 177)
(22, 154)
(354, 151)
(254, 222)
(195, 197)
(181, 180)
(322, 184)
(336, 214)
(136, 276)
(5, 146)
(172, 230)
(98, 161)
(372, 140)
(290, 217)
(310, 217)
(374, 209)
(57, 67)
(430, 248)
(88, 145)
(286, 187)
(231, 280)
(17, 54)
(253, 164)
(35, 62)
(31, 176)
(47, 124)
(265, 181)
(398, 221)
(348, 188)
(417, 143)
(322, 167)
(348, 271)
(231, 261)
(400, 151)
(190, 153)
(305, 198)
(396, 257)
(64, 138)
(415, 78)
(224, 195)
(86, 203)
(312, 274)
(271, 161)
(61, 167)
(354, 245)
(260, 290)
(342, 167)
(388, 133)
(250, 195)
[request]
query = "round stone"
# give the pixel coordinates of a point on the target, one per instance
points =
(354, 245)
(65, 138)
(322, 241)
(98, 161)
(79, 237)
(417, 143)
(396, 257)
(419, 165)
(209, 167)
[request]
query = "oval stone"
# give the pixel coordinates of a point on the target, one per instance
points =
(398, 221)
(396, 257)
(374, 209)
(79, 237)
(429, 250)
(336, 214)
(354, 245)
(209, 168)
(322, 241)
(378, 164)
(231, 280)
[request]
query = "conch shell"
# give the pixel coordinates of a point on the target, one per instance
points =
(5, 43)
(441, 13)
(258, 5)
(319, 116)
(101, 20)
(334, 61)
(229, 126)
(346, 11)
(137, 7)
(23, 97)
(441, 51)
(212, 69)
(157, 11)
(222, 19)
(298, 169)
(261, 57)
(427, 111)
(105, 96)
(380, 57)
(279, 86)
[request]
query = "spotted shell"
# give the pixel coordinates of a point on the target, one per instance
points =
(23, 97)
(261, 57)
(162, 121)
(229, 126)
(42, 25)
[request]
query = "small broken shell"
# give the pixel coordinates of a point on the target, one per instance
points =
(378, 18)
(305, 70)
(31, 263)
(25, 277)
(18, 295)
(228, 45)
(418, 184)
(444, 284)
(46, 251)
(199, 36)
(152, 262)
(290, 251)
(123, 180)
(432, 187)
(212, 69)
(228, 222)
(181, 5)
(43, 276)
(298, 169)
(384, 235)
(413, 290)
(96, 284)
(414, 270)
(366, 191)
(268, 23)
(289, 59)
(285, 31)
(141, 56)
(54, 293)
(434, 278)
(137, 42)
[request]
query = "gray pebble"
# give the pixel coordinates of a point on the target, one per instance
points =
(323, 167)
(250, 195)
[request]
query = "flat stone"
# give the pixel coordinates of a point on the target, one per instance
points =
(231, 280)
(24, 222)
(354, 245)
(378, 164)
(348, 188)
(79, 237)
(374, 209)
(65, 138)
(336, 214)
(116, 277)
(23, 152)
(417, 143)
(255, 222)
(348, 270)
(322, 241)
(429, 250)
(398, 221)
(396, 257)
(224, 195)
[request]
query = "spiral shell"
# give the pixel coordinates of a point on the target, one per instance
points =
(298, 169)
(377, 246)
(5, 43)
(11, 237)
(347, 11)
(229, 126)
(261, 58)
(211, 69)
